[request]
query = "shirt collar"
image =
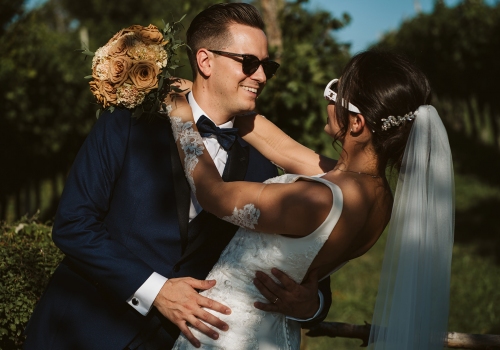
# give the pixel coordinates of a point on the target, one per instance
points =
(198, 112)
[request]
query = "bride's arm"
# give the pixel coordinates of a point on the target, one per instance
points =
(292, 209)
(280, 148)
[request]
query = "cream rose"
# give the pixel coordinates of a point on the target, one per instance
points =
(118, 69)
(144, 75)
(129, 96)
(101, 69)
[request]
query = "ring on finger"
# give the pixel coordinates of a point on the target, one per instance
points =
(275, 300)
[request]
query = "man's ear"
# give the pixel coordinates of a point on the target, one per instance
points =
(357, 123)
(204, 61)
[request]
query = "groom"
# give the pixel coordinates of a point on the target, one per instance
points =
(137, 244)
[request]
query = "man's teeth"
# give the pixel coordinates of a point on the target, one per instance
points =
(249, 89)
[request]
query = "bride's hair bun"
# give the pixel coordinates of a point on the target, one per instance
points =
(383, 84)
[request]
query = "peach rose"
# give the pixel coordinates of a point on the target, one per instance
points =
(133, 28)
(144, 75)
(121, 47)
(151, 35)
(95, 88)
(118, 69)
(108, 90)
(116, 36)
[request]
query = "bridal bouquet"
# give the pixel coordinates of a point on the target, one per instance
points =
(132, 69)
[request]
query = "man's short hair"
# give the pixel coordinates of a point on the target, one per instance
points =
(210, 28)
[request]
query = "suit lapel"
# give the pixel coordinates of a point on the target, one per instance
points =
(182, 191)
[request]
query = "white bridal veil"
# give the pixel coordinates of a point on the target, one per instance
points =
(411, 311)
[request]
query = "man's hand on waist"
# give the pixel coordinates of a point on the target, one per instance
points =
(179, 301)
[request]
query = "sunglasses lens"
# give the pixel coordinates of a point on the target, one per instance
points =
(250, 64)
(270, 68)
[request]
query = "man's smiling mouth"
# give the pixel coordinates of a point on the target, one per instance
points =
(249, 89)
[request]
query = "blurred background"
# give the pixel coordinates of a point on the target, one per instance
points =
(46, 111)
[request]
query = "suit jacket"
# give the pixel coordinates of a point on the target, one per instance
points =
(122, 216)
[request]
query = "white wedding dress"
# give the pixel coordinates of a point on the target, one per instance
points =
(248, 251)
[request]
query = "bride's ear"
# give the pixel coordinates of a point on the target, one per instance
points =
(357, 123)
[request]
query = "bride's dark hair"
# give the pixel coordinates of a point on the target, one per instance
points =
(382, 84)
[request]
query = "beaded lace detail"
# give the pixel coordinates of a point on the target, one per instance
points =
(192, 145)
(250, 251)
(247, 217)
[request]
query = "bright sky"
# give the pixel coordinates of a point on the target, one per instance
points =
(371, 18)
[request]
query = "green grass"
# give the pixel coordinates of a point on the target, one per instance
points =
(475, 281)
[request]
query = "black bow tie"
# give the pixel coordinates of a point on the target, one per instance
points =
(225, 136)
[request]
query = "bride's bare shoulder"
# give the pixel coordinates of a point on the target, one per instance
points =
(360, 195)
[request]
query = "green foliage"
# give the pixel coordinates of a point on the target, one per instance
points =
(475, 286)
(311, 57)
(457, 47)
(10, 9)
(46, 108)
(27, 259)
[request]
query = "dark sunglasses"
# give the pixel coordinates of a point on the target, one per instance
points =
(250, 63)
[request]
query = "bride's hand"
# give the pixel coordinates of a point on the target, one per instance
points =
(290, 298)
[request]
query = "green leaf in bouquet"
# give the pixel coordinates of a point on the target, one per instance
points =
(179, 21)
(87, 52)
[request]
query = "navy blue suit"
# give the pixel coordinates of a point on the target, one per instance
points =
(123, 216)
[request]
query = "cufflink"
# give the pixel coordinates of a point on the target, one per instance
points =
(135, 301)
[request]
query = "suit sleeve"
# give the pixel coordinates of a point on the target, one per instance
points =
(79, 227)
(324, 287)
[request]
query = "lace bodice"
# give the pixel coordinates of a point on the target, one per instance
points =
(248, 251)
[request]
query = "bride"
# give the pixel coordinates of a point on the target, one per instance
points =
(378, 110)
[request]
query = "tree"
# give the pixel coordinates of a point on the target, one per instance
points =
(41, 101)
(311, 57)
(45, 103)
(47, 109)
(458, 48)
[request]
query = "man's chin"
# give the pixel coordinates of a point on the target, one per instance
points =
(249, 107)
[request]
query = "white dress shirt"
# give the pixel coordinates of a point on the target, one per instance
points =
(143, 298)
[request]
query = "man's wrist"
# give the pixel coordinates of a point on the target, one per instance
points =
(321, 300)
(143, 298)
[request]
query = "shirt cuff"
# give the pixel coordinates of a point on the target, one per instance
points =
(321, 305)
(143, 298)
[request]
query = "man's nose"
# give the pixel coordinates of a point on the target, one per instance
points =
(259, 75)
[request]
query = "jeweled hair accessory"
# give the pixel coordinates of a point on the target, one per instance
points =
(398, 120)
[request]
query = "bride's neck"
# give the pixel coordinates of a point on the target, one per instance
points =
(360, 158)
